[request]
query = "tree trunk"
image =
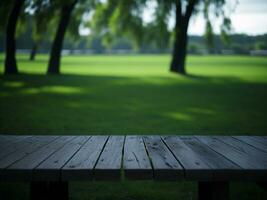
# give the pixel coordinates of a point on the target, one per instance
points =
(179, 52)
(55, 54)
(10, 60)
(33, 51)
(180, 44)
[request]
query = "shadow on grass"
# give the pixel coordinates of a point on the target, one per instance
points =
(77, 104)
(69, 104)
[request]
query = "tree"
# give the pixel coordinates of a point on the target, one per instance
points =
(181, 27)
(42, 14)
(65, 14)
(10, 59)
(127, 15)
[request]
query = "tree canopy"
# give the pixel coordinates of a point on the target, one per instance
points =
(127, 17)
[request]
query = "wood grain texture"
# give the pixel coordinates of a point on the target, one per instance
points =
(108, 166)
(136, 163)
(259, 157)
(256, 142)
(19, 154)
(199, 158)
(23, 169)
(252, 169)
(31, 146)
(80, 166)
(193, 165)
(165, 166)
(220, 167)
(14, 145)
(7, 144)
(51, 167)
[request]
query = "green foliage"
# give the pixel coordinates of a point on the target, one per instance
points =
(209, 35)
(261, 45)
(5, 7)
(43, 12)
(117, 18)
(21, 24)
(124, 17)
(82, 8)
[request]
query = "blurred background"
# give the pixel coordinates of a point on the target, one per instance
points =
(91, 67)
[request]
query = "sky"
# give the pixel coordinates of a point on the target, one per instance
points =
(249, 16)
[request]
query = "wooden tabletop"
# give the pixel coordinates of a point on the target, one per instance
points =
(199, 158)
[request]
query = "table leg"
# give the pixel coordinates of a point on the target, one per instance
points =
(58, 190)
(39, 190)
(42, 190)
(263, 185)
(213, 191)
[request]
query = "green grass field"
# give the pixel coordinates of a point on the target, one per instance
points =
(136, 94)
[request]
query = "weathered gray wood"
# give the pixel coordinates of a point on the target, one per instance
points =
(7, 138)
(33, 145)
(51, 167)
(22, 169)
(221, 167)
(16, 145)
(254, 141)
(50, 158)
(202, 162)
(136, 163)
(80, 167)
(253, 169)
(259, 157)
(9, 142)
(108, 166)
(165, 166)
(194, 167)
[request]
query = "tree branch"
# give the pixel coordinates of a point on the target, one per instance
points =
(178, 11)
(189, 10)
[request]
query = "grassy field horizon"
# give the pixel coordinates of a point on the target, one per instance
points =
(124, 94)
(135, 94)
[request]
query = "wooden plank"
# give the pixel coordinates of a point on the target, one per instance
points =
(256, 142)
(136, 163)
(253, 169)
(50, 169)
(7, 138)
(165, 166)
(108, 166)
(259, 157)
(22, 169)
(16, 145)
(33, 145)
(80, 166)
(194, 166)
(9, 142)
(261, 137)
(220, 167)
(4, 139)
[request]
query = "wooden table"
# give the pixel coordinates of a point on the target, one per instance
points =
(49, 162)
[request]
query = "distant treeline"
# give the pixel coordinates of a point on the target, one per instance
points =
(238, 44)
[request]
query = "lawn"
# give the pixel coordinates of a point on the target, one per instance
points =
(223, 95)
